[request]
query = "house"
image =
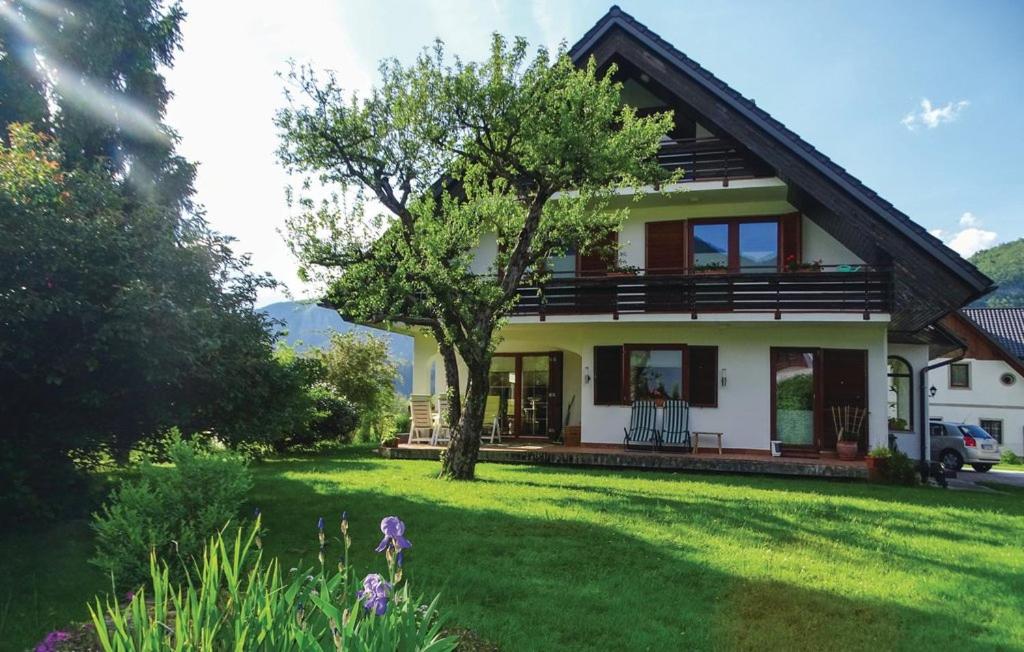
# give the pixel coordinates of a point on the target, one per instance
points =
(985, 386)
(766, 288)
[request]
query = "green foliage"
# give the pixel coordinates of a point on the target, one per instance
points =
(170, 510)
(1004, 264)
(900, 469)
(880, 452)
(531, 150)
(1009, 457)
(358, 368)
(121, 312)
(239, 601)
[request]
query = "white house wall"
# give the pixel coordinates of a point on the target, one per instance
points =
(816, 243)
(916, 356)
(987, 398)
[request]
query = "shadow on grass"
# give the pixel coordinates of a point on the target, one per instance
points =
(546, 582)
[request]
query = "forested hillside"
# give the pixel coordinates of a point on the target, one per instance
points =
(1004, 264)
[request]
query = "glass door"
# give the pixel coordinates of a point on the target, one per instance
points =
(794, 381)
(534, 418)
(502, 395)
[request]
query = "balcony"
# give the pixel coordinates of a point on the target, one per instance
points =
(703, 159)
(858, 289)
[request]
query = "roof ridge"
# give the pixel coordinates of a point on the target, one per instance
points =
(615, 13)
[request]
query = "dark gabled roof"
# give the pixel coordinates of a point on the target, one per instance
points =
(1005, 326)
(616, 18)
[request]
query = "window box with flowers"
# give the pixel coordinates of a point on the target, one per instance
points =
(791, 264)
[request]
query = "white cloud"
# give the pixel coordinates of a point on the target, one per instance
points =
(969, 240)
(968, 219)
(972, 240)
(932, 116)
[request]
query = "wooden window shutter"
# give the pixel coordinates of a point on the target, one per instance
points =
(596, 263)
(702, 376)
(665, 246)
(790, 238)
(607, 375)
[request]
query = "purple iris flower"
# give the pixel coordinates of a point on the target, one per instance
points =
(374, 594)
(394, 534)
(51, 641)
(320, 523)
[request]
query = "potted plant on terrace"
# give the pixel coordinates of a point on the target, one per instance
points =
(709, 268)
(847, 421)
(878, 462)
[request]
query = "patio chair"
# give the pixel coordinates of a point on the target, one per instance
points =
(421, 428)
(494, 415)
(675, 425)
(641, 424)
(442, 430)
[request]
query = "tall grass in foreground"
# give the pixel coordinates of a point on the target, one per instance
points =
(236, 601)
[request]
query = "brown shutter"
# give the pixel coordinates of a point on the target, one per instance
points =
(703, 376)
(607, 375)
(665, 246)
(790, 238)
(596, 263)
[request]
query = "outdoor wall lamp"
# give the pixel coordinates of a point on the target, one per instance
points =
(932, 390)
(586, 375)
(725, 380)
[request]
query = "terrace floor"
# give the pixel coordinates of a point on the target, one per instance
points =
(539, 452)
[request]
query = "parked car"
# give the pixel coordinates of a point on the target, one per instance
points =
(956, 444)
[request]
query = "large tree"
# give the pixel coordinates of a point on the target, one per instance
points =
(439, 154)
(121, 311)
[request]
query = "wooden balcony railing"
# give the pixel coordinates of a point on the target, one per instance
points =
(860, 289)
(710, 158)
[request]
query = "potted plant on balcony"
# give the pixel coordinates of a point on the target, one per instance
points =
(878, 462)
(792, 264)
(847, 421)
(709, 268)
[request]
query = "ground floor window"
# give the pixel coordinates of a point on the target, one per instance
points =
(655, 373)
(631, 372)
(993, 427)
(901, 395)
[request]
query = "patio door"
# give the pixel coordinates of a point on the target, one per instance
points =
(806, 385)
(795, 398)
(525, 394)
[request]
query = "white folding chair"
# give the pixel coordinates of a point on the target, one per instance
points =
(421, 428)
(442, 430)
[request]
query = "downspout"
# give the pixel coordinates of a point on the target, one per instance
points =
(925, 460)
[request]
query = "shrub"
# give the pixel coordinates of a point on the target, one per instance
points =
(238, 601)
(880, 452)
(900, 469)
(359, 367)
(169, 510)
(1009, 457)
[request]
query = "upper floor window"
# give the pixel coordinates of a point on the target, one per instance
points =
(901, 395)
(736, 245)
(960, 375)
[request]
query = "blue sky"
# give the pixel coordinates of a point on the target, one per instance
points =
(920, 100)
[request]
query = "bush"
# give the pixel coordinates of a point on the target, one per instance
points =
(240, 602)
(1009, 457)
(330, 417)
(169, 510)
(900, 469)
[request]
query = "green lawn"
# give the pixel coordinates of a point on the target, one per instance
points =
(542, 558)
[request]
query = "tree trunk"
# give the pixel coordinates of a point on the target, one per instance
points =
(459, 460)
(451, 375)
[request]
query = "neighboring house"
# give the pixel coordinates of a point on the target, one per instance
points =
(986, 386)
(766, 288)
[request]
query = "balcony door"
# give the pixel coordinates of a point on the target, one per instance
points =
(525, 395)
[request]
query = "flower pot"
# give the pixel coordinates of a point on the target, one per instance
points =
(571, 436)
(389, 443)
(847, 450)
(876, 467)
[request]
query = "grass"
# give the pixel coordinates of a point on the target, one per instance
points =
(543, 558)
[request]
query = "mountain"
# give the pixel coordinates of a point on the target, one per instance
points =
(308, 325)
(1004, 264)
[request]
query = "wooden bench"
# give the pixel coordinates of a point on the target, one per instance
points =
(697, 436)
